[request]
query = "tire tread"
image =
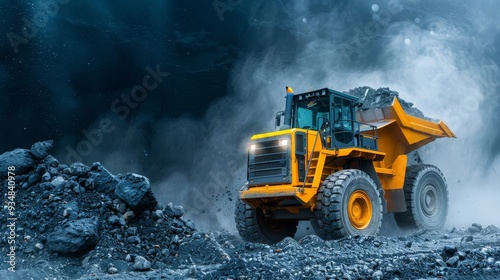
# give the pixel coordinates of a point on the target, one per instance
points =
(331, 192)
(248, 227)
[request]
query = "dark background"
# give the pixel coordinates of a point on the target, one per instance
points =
(228, 63)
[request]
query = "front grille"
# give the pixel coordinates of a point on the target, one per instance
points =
(272, 148)
(266, 158)
(269, 163)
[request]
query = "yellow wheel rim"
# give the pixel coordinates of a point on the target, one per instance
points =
(359, 209)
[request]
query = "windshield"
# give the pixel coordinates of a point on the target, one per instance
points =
(312, 113)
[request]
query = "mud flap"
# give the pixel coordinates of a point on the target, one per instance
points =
(395, 200)
(367, 167)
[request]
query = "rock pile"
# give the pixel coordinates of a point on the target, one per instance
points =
(381, 98)
(95, 220)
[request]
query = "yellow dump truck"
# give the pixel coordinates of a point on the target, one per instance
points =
(340, 168)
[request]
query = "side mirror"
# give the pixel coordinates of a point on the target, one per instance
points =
(278, 118)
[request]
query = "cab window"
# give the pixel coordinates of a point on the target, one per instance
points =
(312, 113)
(342, 111)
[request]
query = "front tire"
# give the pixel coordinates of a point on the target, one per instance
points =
(254, 226)
(426, 195)
(348, 204)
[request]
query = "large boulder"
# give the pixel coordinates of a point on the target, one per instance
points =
(136, 192)
(141, 264)
(102, 180)
(21, 159)
(40, 150)
(75, 237)
(79, 169)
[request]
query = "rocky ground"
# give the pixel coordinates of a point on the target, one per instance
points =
(81, 222)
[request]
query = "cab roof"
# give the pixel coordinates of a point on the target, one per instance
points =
(326, 91)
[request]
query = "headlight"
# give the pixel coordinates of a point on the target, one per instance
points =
(252, 147)
(283, 142)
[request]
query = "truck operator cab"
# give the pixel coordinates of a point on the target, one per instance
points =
(333, 114)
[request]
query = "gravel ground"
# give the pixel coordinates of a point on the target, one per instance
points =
(81, 222)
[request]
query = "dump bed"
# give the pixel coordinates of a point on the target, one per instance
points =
(400, 133)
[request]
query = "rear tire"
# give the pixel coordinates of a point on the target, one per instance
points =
(426, 195)
(253, 226)
(348, 204)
